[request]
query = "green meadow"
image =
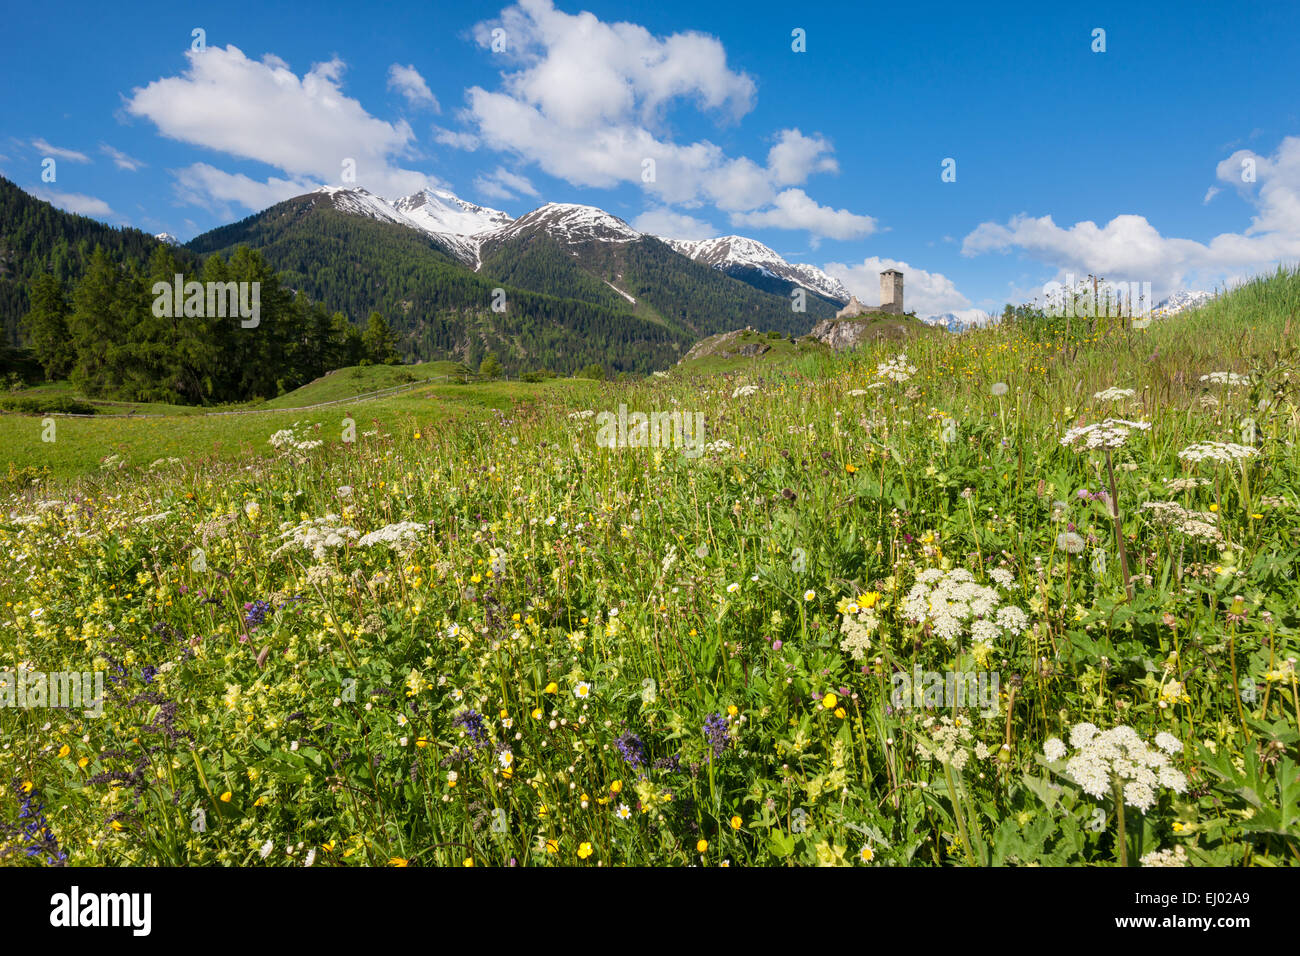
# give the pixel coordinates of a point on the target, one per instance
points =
(1020, 596)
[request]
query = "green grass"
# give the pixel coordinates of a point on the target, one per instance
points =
(675, 659)
(710, 356)
(361, 379)
(80, 446)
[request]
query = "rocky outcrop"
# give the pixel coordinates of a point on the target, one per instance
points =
(848, 333)
(740, 343)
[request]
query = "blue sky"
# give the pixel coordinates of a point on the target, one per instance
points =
(1173, 157)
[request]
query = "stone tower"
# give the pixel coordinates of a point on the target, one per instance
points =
(891, 291)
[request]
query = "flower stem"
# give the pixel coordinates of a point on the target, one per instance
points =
(1121, 839)
(1119, 527)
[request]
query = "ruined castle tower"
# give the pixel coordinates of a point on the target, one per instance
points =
(891, 291)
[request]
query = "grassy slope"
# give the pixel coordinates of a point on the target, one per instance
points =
(712, 358)
(361, 379)
(820, 494)
(81, 444)
(1248, 323)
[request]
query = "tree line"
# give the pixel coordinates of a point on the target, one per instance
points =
(103, 333)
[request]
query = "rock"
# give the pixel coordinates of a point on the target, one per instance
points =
(727, 345)
(848, 333)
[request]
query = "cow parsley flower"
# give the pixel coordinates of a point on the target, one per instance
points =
(1194, 524)
(951, 602)
(1113, 394)
(1176, 856)
(896, 369)
(1231, 379)
(1119, 755)
(1109, 435)
(1219, 451)
(402, 535)
(318, 536)
(1168, 742)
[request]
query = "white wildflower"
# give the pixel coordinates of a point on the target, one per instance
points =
(1113, 394)
(1226, 452)
(1111, 434)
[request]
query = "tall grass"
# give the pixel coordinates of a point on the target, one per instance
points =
(580, 655)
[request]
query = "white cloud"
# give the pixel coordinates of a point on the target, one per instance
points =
(582, 72)
(408, 81)
(75, 202)
(121, 159)
(925, 293)
(794, 209)
(201, 184)
(455, 139)
(501, 183)
(1210, 194)
(262, 111)
(795, 157)
(584, 99)
(1130, 249)
(71, 155)
(673, 225)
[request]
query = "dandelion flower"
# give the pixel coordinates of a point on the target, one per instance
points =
(1070, 542)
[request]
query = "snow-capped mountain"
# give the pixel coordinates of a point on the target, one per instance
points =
(362, 202)
(959, 323)
(457, 225)
(168, 238)
(440, 211)
(470, 233)
(463, 227)
(1181, 301)
(569, 223)
(1126, 297)
(734, 254)
(569, 267)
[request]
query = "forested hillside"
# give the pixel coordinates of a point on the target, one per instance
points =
(440, 309)
(38, 237)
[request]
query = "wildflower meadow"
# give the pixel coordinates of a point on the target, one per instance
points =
(505, 639)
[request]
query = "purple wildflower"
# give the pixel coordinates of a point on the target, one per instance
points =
(255, 613)
(472, 723)
(630, 746)
(38, 838)
(716, 732)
